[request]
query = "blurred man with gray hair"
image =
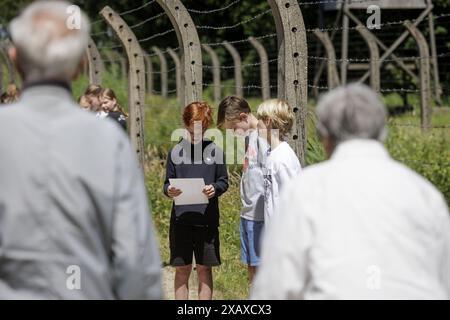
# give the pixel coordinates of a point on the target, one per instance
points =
(74, 217)
(360, 225)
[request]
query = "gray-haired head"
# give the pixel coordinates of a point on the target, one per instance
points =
(50, 39)
(351, 112)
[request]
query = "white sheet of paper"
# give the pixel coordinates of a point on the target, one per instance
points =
(191, 191)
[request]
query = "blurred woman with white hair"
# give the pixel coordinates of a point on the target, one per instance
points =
(360, 225)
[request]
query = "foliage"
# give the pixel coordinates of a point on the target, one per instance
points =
(235, 14)
(230, 278)
(428, 154)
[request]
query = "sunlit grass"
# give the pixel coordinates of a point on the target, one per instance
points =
(428, 154)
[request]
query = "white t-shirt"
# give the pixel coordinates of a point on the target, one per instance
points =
(281, 167)
(102, 114)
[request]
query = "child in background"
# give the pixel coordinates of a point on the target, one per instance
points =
(84, 103)
(92, 96)
(194, 228)
(235, 114)
(11, 95)
(112, 108)
(275, 119)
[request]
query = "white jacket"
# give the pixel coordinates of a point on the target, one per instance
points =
(359, 226)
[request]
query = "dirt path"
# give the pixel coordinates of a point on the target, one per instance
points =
(168, 277)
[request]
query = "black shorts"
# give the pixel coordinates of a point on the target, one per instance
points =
(187, 240)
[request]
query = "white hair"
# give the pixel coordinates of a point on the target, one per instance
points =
(51, 38)
(351, 112)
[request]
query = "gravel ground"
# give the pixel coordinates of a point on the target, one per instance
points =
(168, 277)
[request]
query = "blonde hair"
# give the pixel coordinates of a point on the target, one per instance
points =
(280, 115)
(109, 94)
(11, 95)
(93, 90)
(83, 101)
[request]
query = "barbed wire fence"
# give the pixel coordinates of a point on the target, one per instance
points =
(245, 71)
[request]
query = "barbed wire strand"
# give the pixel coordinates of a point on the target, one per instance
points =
(390, 23)
(412, 58)
(147, 20)
(137, 8)
(162, 51)
(214, 10)
(381, 90)
(236, 24)
(127, 12)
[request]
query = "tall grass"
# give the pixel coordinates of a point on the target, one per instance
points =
(162, 117)
(428, 154)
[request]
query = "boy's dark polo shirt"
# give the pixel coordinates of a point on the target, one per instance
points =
(210, 166)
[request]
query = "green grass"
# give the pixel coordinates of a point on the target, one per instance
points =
(428, 154)
(162, 117)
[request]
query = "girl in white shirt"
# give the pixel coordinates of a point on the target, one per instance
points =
(275, 119)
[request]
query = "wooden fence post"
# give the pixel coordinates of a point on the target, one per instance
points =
(1, 78)
(113, 63)
(136, 78)
(215, 71)
(95, 61)
(162, 70)
(292, 67)
(344, 44)
(190, 50)
(374, 57)
(425, 89)
(389, 51)
(332, 73)
(237, 68)
(176, 60)
(123, 66)
(149, 72)
(1, 73)
(264, 67)
(9, 65)
(434, 60)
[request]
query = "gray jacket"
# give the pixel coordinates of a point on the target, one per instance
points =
(74, 217)
(252, 180)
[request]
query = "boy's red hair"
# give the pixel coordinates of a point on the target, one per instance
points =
(198, 111)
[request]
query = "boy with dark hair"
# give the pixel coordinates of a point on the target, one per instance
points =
(235, 114)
